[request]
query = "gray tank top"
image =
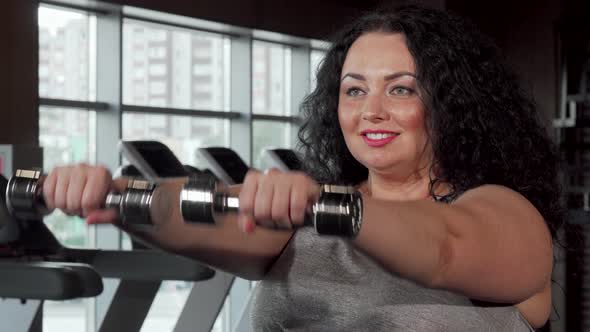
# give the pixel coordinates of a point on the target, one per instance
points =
(326, 284)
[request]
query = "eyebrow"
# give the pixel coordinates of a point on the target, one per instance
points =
(385, 78)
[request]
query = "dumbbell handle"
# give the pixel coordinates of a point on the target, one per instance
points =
(337, 212)
(24, 198)
(224, 203)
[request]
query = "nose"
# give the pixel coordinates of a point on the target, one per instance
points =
(374, 109)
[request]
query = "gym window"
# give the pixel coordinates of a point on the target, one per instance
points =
(129, 73)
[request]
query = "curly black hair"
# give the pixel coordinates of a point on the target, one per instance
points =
(483, 127)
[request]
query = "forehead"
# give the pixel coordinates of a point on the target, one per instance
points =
(379, 51)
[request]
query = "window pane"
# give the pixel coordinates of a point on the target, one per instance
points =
(271, 78)
(316, 56)
(268, 134)
(67, 136)
(165, 66)
(65, 59)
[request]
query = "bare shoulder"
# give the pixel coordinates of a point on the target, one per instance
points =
(502, 200)
(493, 192)
(537, 308)
(499, 226)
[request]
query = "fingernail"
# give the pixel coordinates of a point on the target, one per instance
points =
(242, 222)
(249, 227)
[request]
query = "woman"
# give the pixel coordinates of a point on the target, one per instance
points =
(416, 109)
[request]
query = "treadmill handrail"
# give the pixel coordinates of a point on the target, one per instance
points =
(144, 264)
(48, 280)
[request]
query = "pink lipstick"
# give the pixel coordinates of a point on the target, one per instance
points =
(378, 138)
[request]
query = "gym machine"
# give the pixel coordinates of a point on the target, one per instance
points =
(228, 168)
(134, 298)
(26, 278)
(283, 159)
(36, 266)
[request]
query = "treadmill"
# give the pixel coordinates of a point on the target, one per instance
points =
(27, 277)
(35, 266)
(155, 162)
(229, 168)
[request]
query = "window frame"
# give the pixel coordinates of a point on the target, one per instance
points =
(109, 106)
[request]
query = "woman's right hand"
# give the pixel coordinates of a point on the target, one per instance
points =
(81, 190)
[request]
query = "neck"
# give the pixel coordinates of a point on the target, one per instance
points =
(412, 187)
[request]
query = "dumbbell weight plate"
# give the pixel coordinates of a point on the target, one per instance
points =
(197, 199)
(134, 203)
(24, 197)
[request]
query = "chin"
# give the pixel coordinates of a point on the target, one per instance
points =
(380, 167)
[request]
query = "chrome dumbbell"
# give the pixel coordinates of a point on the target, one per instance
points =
(24, 199)
(338, 210)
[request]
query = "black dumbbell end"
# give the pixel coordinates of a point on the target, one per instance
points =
(24, 195)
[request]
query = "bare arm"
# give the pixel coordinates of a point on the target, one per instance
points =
(223, 246)
(81, 190)
(491, 244)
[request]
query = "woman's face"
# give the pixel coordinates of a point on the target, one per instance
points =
(379, 109)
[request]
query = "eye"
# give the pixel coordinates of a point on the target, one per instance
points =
(401, 91)
(354, 92)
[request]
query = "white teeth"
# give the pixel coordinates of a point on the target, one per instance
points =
(377, 136)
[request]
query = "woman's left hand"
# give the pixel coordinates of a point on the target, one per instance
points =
(276, 199)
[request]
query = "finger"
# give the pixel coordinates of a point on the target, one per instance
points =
(305, 192)
(102, 217)
(248, 191)
(313, 189)
(49, 185)
(75, 190)
(263, 202)
(246, 223)
(272, 171)
(97, 186)
(299, 202)
(61, 189)
(119, 185)
(280, 204)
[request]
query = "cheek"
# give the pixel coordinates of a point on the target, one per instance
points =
(347, 120)
(348, 126)
(414, 122)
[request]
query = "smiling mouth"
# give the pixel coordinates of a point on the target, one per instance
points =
(378, 139)
(379, 136)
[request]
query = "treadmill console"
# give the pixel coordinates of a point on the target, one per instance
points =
(284, 159)
(226, 164)
(153, 160)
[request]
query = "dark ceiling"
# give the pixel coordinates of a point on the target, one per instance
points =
(304, 18)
